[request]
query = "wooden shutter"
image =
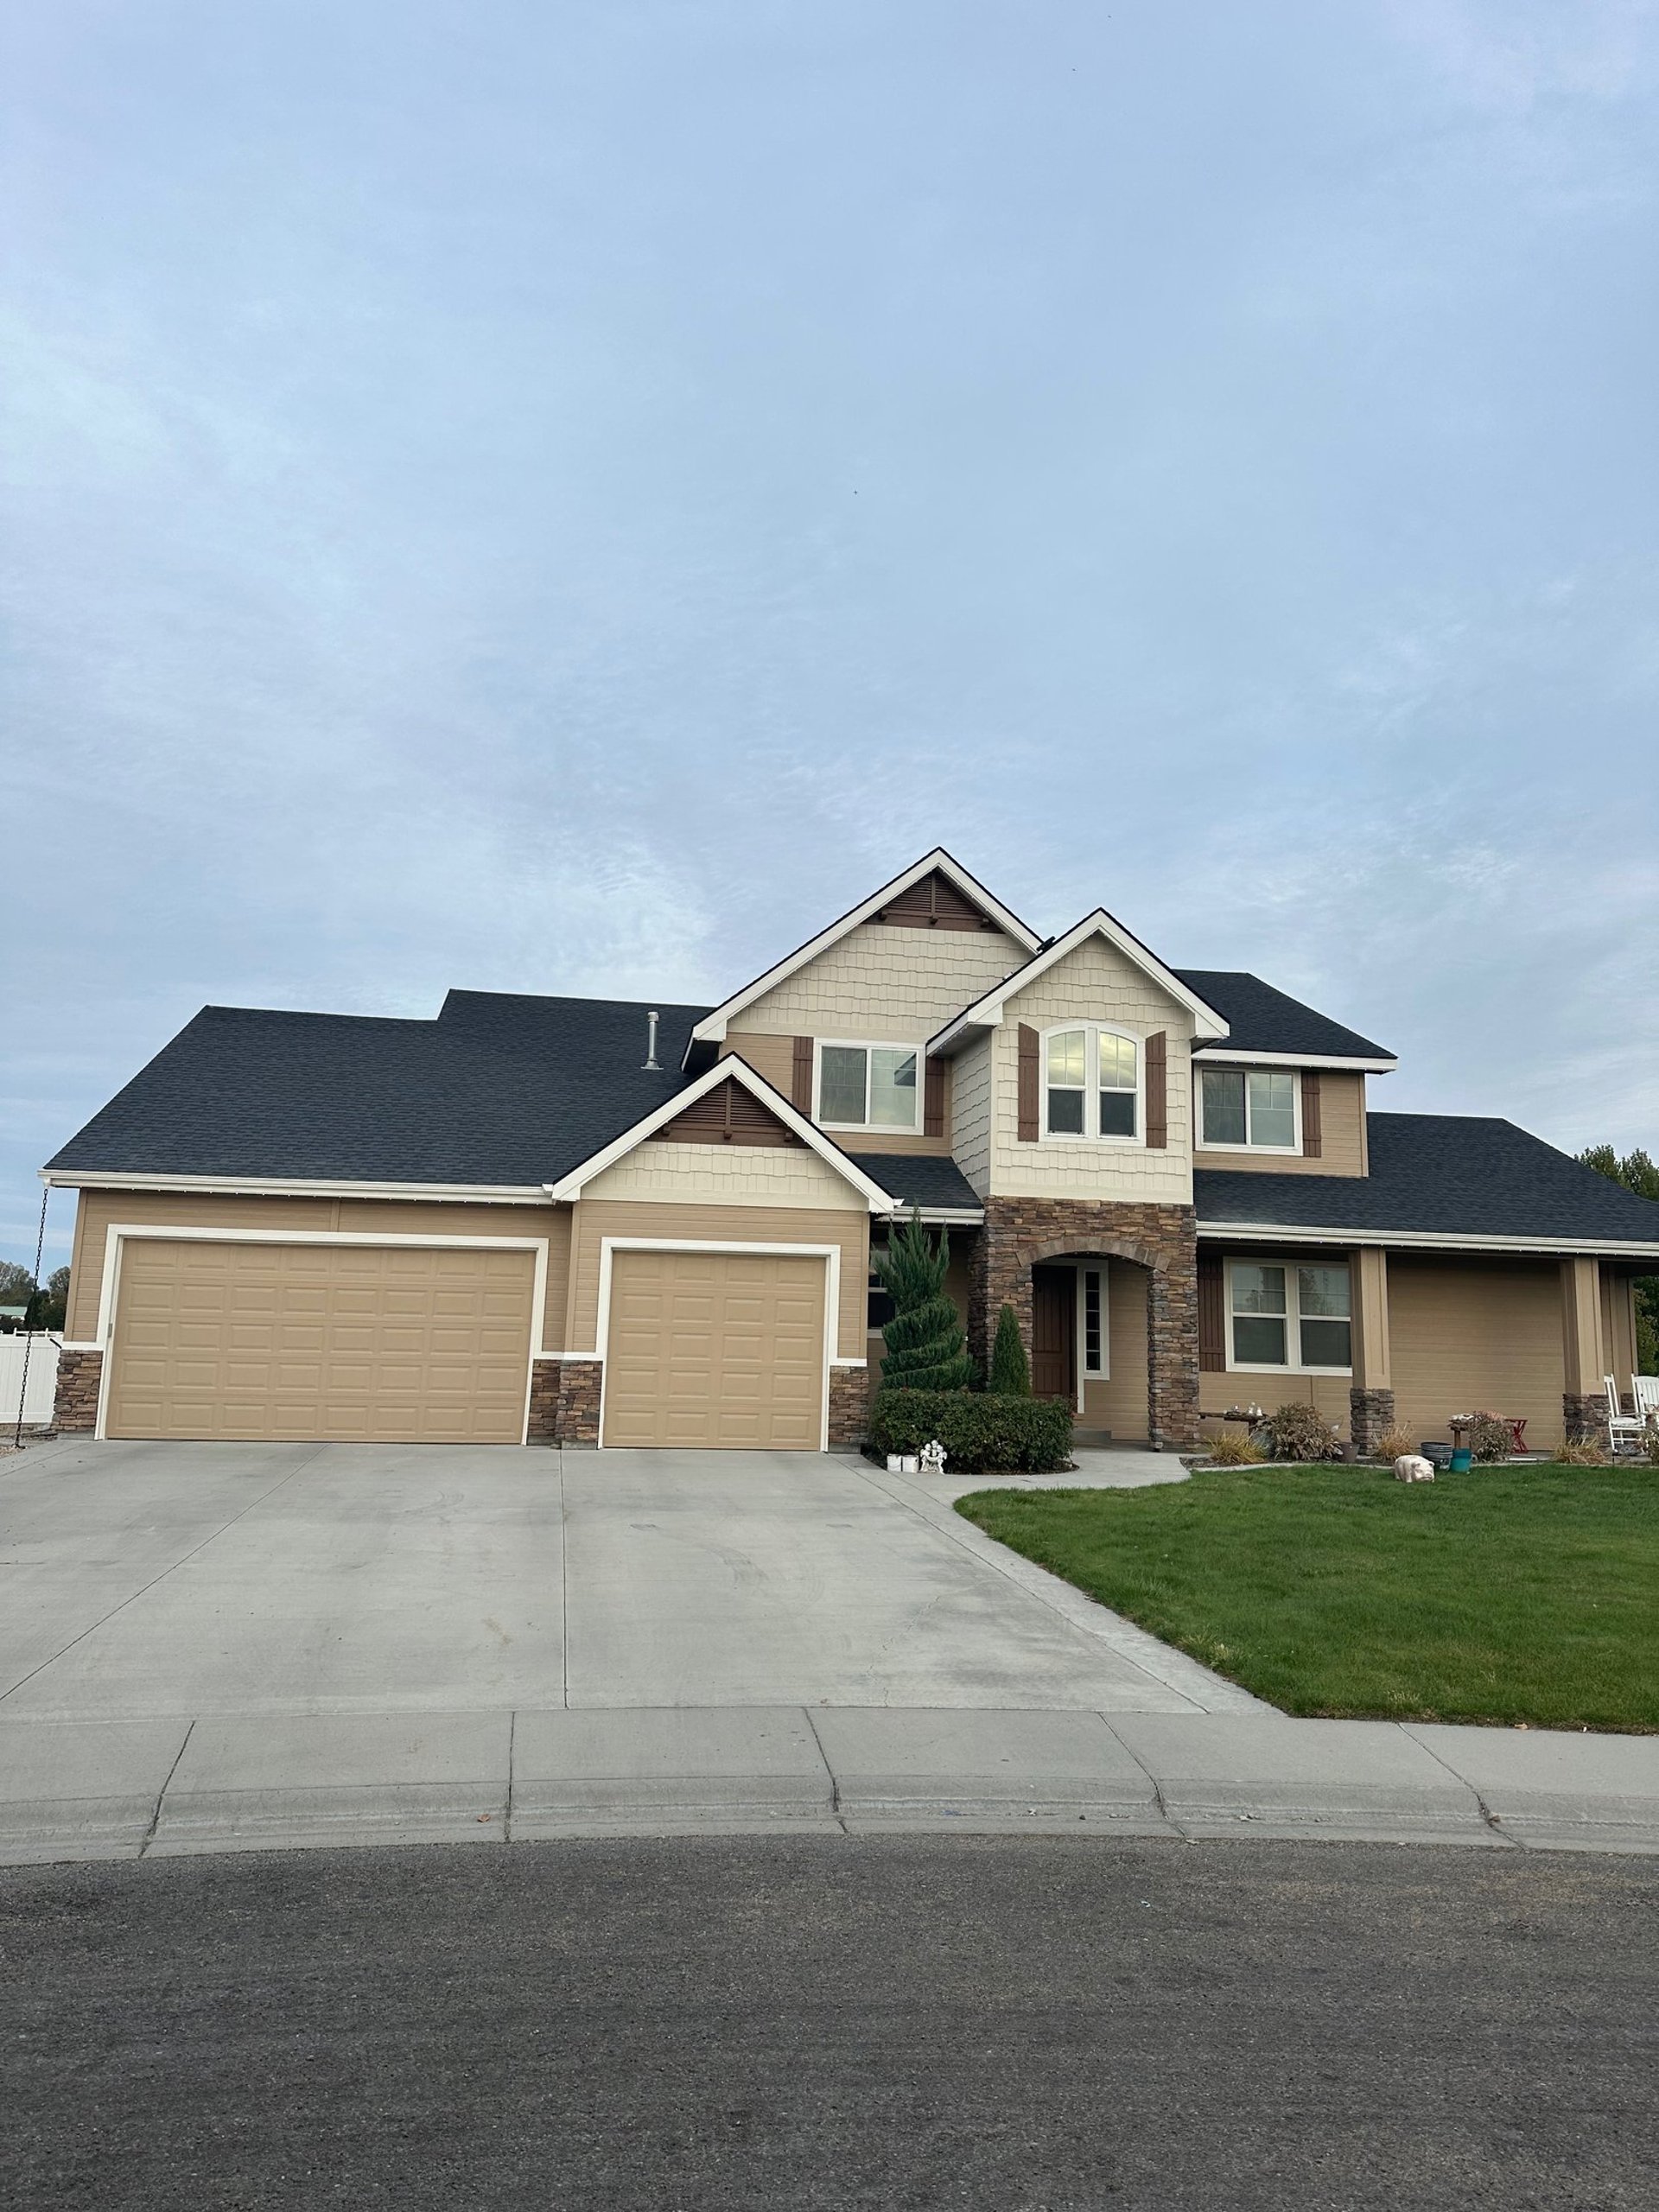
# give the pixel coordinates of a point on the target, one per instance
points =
(1313, 1134)
(1212, 1319)
(933, 1099)
(800, 1083)
(1030, 1083)
(1157, 1092)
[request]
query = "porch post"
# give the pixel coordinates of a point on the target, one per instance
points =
(1584, 1355)
(1370, 1400)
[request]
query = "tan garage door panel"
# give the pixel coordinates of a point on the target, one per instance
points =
(378, 1343)
(716, 1351)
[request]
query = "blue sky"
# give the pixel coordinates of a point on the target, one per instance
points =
(568, 498)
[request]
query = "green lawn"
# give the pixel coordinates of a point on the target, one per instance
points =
(1505, 1594)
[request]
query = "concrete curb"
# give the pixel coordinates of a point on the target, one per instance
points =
(83, 1791)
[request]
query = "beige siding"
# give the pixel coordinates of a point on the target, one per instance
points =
(1618, 1327)
(1218, 1392)
(773, 1057)
(360, 1217)
(971, 1119)
(598, 1218)
(1118, 1401)
(1342, 1115)
(724, 1175)
(1094, 983)
(882, 982)
(1470, 1336)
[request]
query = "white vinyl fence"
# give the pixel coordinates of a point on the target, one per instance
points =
(42, 1381)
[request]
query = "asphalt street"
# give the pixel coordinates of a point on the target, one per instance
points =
(1033, 2023)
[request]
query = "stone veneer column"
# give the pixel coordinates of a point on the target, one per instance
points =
(850, 1404)
(1019, 1233)
(75, 1408)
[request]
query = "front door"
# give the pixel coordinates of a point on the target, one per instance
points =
(1054, 1332)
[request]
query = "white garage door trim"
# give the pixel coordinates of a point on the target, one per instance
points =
(119, 1231)
(829, 1253)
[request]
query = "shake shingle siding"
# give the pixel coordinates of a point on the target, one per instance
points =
(1441, 1174)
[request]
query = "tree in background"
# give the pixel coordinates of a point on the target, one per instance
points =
(42, 1309)
(1637, 1173)
(1010, 1368)
(926, 1345)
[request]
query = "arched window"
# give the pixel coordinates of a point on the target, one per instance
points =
(1091, 1084)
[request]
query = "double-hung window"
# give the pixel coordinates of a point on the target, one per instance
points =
(1253, 1107)
(868, 1086)
(1091, 1084)
(1292, 1317)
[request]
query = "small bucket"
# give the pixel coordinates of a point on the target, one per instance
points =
(1462, 1460)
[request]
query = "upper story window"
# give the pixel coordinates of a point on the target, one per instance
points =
(1252, 1107)
(1290, 1317)
(1091, 1084)
(868, 1086)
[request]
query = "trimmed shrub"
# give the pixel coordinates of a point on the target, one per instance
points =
(981, 1430)
(1394, 1444)
(1010, 1368)
(924, 1341)
(1490, 1440)
(1233, 1449)
(1299, 1431)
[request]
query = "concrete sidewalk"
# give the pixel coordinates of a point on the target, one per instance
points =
(108, 1789)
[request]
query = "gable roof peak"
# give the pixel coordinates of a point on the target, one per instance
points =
(985, 1012)
(711, 1030)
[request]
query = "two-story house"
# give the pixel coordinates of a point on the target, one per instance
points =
(582, 1222)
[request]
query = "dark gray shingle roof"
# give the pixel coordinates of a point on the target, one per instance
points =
(499, 1089)
(1442, 1174)
(1262, 1020)
(921, 1179)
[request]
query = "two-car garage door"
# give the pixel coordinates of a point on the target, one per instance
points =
(371, 1344)
(376, 1343)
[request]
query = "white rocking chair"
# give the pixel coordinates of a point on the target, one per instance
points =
(1644, 1396)
(1622, 1428)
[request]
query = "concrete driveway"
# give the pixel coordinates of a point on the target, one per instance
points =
(148, 1580)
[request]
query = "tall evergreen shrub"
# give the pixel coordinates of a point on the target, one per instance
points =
(1010, 1368)
(926, 1346)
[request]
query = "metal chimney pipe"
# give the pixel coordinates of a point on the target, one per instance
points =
(652, 1060)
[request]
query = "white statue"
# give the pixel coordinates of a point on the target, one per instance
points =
(933, 1458)
(1412, 1467)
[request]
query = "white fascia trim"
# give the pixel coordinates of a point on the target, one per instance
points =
(266, 1186)
(1410, 1240)
(711, 1030)
(1225, 1055)
(731, 1069)
(829, 1253)
(987, 1013)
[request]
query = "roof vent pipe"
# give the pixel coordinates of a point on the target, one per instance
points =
(652, 1060)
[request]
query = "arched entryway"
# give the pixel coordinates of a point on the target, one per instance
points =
(1107, 1305)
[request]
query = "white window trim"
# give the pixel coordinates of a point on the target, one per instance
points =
(1280, 1151)
(1293, 1315)
(1104, 1372)
(867, 1045)
(829, 1253)
(119, 1233)
(1093, 1031)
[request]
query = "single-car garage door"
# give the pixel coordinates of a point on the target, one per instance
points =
(371, 1344)
(715, 1350)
